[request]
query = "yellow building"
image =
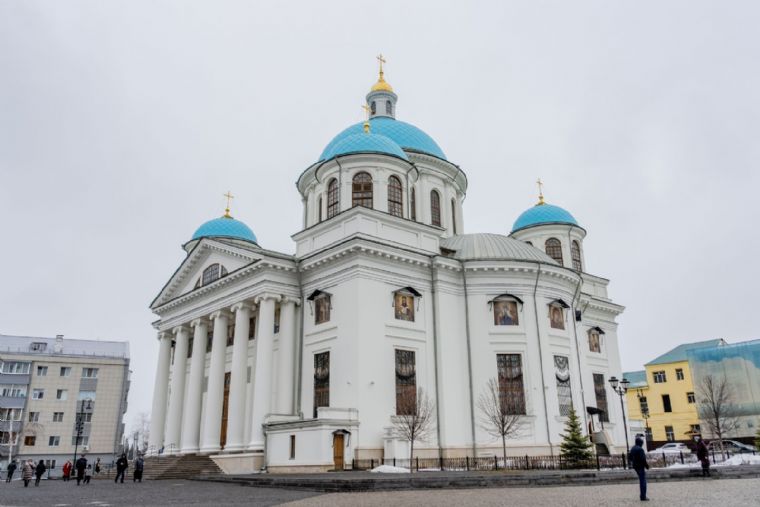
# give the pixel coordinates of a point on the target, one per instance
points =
(663, 395)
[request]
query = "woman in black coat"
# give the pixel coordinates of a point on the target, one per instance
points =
(39, 472)
(703, 457)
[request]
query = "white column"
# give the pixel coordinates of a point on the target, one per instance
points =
(285, 370)
(158, 415)
(212, 415)
(262, 387)
(238, 379)
(191, 417)
(177, 391)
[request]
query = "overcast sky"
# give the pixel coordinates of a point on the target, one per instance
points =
(123, 123)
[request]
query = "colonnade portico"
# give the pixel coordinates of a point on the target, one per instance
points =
(177, 412)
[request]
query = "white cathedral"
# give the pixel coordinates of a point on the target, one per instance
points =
(285, 362)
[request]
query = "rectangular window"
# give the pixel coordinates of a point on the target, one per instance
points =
(230, 334)
(251, 328)
(292, 447)
(209, 340)
(15, 367)
(276, 319)
(190, 347)
(321, 381)
(54, 441)
(659, 377)
(666, 403)
(34, 416)
(669, 435)
(38, 394)
(89, 373)
(8, 438)
(38, 346)
(57, 416)
(679, 373)
(643, 405)
(691, 398)
(30, 440)
(86, 395)
(695, 429)
(511, 388)
(564, 393)
(406, 382)
(65, 371)
(42, 371)
(83, 440)
(61, 394)
(85, 417)
(10, 414)
(600, 390)
(322, 309)
(594, 341)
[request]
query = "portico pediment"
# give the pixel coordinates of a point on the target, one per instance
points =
(209, 257)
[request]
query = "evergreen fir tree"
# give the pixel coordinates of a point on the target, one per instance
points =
(576, 448)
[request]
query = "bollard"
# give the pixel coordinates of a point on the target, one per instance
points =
(440, 463)
(597, 463)
(496, 462)
(681, 453)
(372, 463)
(527, 463)
(467, 461)
(418, 463)
(394, 461)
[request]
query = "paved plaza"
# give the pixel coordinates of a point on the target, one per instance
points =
(724, 492)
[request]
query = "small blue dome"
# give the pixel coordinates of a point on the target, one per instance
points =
(403, 134)
(225, 227)
(363, 143)
(543, 214)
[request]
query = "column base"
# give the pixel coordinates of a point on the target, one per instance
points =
(255, 447)
(210, 449)
(189, 450)
(234, 448)
(245, 463)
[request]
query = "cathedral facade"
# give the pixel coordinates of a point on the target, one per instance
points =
(304, 361)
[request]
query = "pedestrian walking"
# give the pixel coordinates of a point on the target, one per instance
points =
(638, 458)
(27, 472)
(702, 456)
(39, 472)
(11, 468)
(88, 474)
(139, 466)
(97, 466)
(121, 468)
(81, 466)
(67, 470)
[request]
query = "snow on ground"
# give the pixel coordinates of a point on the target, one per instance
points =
(387, 469)
(737, 459)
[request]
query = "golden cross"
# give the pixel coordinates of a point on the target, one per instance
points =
(540, 191)
(366, 111)
(229, 197)
(382, 61)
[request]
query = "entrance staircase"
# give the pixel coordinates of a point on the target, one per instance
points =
(187, 466)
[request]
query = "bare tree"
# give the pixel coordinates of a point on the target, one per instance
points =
(497, 415)
(141, 428)
(716, 406)
(415, 417)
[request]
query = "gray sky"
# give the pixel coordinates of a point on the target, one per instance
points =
(123, 123)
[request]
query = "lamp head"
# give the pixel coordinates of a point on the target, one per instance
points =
(614, 382)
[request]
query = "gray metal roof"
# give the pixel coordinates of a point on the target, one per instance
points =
(493, 246)
(71, 347)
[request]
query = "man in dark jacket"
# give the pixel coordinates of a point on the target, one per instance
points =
(39, 472)
(702, 456)
(121, 468)
(639, 463)
(11, 469)
(81, 466)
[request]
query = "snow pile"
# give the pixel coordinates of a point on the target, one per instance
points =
(742, 459)
(387, 469)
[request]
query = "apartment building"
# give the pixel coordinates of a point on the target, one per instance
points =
(48, 385)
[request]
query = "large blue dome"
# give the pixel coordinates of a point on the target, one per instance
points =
(225, 227)
(543, 214)
(403, 134)
(363, 143)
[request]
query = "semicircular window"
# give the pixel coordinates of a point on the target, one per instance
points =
(213, 273)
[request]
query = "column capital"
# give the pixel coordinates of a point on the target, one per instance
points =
(197, 322)
(178, 329)
(267, 295)
(290, 299)
(219, 313)
(240, 306)
(164, 335)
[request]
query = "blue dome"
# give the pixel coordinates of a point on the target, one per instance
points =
(543, 214)
(225, 227)
(363, 143)
(403, 134)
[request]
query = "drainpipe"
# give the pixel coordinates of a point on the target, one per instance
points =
(434, 303)
(541, 361)
(469, 359)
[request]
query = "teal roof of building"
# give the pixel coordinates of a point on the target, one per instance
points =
(679, 353)
(405, 135)
(225, 227)
(363, 143)
(542, 214)
(636, 378)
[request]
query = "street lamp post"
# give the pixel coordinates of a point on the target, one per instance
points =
(85, 404)
(621, 387)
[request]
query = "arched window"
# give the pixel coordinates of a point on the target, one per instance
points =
(320, 209)
(454, 216)
(213, 273)
(388, 108)
(395, 197)
(332, 198)
(362, 190)
(435, 208)
(575, 252)
(554, 250)
(413, 205)
(373, 107)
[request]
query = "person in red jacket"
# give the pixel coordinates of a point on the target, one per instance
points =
(66, 471)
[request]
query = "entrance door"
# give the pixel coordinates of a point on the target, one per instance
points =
(338, 450)
(225, 409)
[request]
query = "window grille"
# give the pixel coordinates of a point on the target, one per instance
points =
(332, 198)
(406, 383)
(395, 197)
(435, 208)
(413, 205)
(600, 390)
(362, 190)
(575, 252)
(659, 377)
(554, 250)
(321, 381)
(511, 389)
(564, 392)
